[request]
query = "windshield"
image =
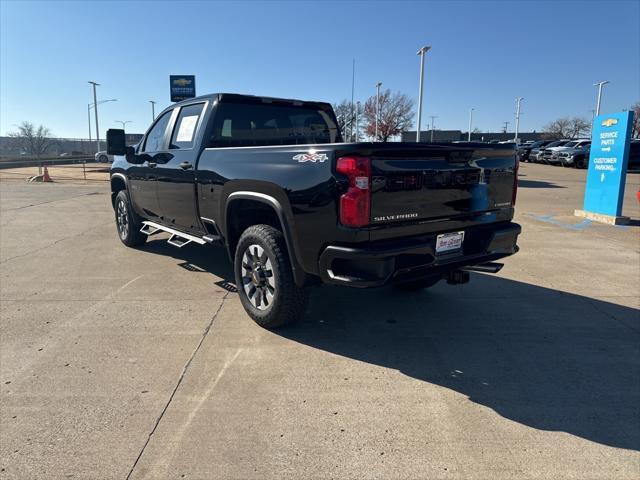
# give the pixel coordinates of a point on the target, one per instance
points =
(556, 144)
(570, 144)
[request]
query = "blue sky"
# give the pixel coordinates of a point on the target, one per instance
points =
(484, 55)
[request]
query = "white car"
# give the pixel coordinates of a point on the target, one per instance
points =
(104, 157)
(554, 158)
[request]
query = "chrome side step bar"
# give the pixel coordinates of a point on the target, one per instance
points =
(178, 239)
(148, 230)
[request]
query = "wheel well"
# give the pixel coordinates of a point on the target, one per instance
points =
(242, 213)
(117, 184)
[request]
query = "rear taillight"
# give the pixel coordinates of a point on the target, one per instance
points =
(515, 183)
(355, 204)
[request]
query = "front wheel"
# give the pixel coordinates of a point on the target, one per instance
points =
(127, 222)
(265, 280)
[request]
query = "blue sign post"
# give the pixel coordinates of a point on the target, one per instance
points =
(607, 172)
(182, 87)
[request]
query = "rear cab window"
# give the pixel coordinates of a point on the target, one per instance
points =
(238, 124)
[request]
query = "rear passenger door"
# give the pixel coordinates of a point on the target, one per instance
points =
(176, 175)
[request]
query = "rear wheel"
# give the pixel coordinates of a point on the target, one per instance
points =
(265, 280)
(420, 284)
(103, 159)
(127, 221)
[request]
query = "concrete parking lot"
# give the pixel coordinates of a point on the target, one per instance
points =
(122, 363)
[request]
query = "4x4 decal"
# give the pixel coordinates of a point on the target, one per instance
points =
(310, 157)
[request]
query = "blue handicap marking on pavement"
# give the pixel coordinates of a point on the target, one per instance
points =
(607, 172)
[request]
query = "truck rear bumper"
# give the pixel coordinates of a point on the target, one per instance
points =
(415, 258)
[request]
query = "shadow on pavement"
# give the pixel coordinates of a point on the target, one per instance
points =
(195, 258)
(537, 184)
(546, 359)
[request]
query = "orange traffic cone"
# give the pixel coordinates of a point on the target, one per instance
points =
(45, 175)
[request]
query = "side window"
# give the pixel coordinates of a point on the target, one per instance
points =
(185, 128)
(155, 138)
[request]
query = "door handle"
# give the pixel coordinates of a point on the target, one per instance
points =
(185, 165)
(151, 164)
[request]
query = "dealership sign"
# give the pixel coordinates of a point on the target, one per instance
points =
(182, 87)
(610, 140)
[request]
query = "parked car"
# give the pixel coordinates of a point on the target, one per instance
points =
(580, 159)
(103, 157)
(554, 158)
(577, 157)
(525, 150)
(271, 181)
(542, 152)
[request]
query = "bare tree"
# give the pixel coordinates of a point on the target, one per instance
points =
(635, 132)
(395, 115)
(346, 116)
(32, 140)
(566, 127)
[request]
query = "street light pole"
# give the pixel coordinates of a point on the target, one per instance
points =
(90, 106)
(518, 100)
(95, 108)
(378, 85)
(123, 122)
(599, 85)
(470, 122)
(153, 109)
(421, 52)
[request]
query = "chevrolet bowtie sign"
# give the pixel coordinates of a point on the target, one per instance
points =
(182, 87)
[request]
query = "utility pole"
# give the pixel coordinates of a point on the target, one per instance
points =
(518, 100)
(153, 109)
(421, 52)
(378, 85)
(470, 123)
(432, 117)
(506, 125)
(95, 110)
(599, 85)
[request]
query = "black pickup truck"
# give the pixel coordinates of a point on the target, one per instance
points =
(272, 181)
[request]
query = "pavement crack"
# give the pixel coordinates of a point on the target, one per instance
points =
(178, 383)
(50, 201)
(56, 242)
(594, 305)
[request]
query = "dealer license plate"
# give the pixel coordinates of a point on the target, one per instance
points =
(449, 242)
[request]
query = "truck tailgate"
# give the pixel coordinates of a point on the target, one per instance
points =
(440, 182)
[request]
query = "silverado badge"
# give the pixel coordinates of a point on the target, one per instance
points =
(310, 157)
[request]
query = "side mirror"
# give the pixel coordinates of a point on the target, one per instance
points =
(116, 144)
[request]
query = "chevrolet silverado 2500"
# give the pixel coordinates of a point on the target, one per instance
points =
(272, 182)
